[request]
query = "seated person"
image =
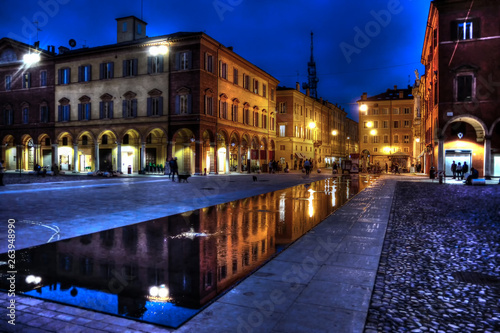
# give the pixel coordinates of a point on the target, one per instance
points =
(474, 174)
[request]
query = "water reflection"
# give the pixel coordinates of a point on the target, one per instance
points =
(165, 270)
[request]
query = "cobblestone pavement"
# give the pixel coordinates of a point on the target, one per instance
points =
(440, 264)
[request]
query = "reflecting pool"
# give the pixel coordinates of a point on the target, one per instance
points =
(166, 270)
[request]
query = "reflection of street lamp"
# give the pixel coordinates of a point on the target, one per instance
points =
(348, 146)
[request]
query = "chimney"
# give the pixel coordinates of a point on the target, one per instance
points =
(307, 92)
(130, 28)
(230, 48)
(395, 87)
(364, 96)
(297, 86)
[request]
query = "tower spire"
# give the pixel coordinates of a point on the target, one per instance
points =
(313, 80)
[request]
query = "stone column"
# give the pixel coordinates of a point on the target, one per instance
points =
(96, 157)
(239, 158)
(440, 165)
(213, 147)
(143, 156)
(119, 157)
(487, 157)
(228, 156)
(75, 157)
(198, 158)
(55, 155)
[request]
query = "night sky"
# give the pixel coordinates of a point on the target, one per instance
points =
(359, 46)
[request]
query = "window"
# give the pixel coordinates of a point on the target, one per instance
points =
(8, 82)
(375, 149)
(84, 111)
(155, 64)
(396, 124)
(183, 104)
(64, 75)
(375, 139)
(386, 139)
(139, 28)
(264, 90)
(365, 124)
(385, 111)
(375, 124)
(246, 81)
(235, 76)
(43, 78)
(256, 86)
(406, 150)
(464, 30)
(365, 138)
(84, 73)
(223, 70)
(385, 124)
(106, 70)
(297, 133)
(124, 27)
(406, 123)
(272, 94)
(64, 112)
(26, 80)
(272, 124)
(223, 109)
(282, 107)
(106, 109)
(8, 116)
(209, 105)
(246, 113)
(406, 110)
(264, 121)
(464, 88)
(282, 147)
(26, 115)
(129, 109)
(183, 60)
(375, 112)
(396, 138)
(395, 111)
(406, 139)
(234, 112)
(155, 106)
(130, 67)
(44, 114)
(282, 130)
(209, 62)
(256, 118)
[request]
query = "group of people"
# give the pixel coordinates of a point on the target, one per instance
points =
(308, 166)
(459, 170)
(171, 168)
(275, 166)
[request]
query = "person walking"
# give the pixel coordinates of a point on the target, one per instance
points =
(307, 166)
(174, 168)
(386, 167)
(465, 169)
(454, 169)
(167, 170)
(459, 170)
(2, 171)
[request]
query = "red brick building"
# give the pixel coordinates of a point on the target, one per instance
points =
(461, 108)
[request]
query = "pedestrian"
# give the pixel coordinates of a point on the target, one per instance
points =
(386, 167)
(271, 166)
(55, 169)
(334, 168)
(307, 166)
(465, 169)
(174, 168)
(286, 167)
(454, 169)
(311, 164)
(2, 171)
(459, 170)
(167, 168)
(474, 174)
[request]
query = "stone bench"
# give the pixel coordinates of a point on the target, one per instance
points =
(479, 181)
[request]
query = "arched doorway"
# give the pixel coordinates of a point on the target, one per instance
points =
(184, 148)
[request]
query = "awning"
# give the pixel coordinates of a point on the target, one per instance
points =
(421, 154)
(300, 156)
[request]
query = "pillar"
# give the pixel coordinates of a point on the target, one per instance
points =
(228, 155)
(143, 156)
(75, 157)
(198, 158)
(213, 168)
(487, 157)
(440, 165)
(96, 159)
(239, 158)
(55, 154)
(37, 154)
(19, 154)
(119, 157)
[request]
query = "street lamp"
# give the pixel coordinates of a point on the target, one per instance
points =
(363, 108)
(31, 58)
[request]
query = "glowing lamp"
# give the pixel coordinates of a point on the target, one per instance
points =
(373, 132)
(312, 125)
(334, 132)
(363, 108)
(31, 58)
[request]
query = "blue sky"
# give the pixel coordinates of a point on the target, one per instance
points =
(359, 46)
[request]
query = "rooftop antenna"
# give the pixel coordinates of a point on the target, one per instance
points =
(313, 80)
(37, 29)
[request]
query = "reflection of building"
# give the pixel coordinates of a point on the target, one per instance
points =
(26, 106)
(305, 126)
(132, 104)
(386, 128)
(461, 114)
